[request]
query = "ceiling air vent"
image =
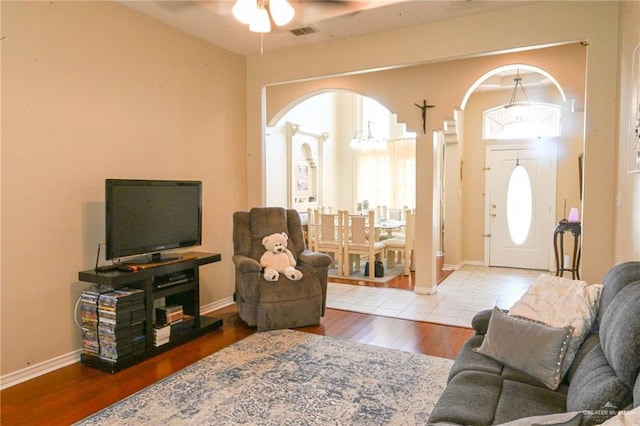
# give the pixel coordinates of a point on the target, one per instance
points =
(304, 31)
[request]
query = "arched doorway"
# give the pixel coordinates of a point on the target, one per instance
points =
(337, 149)
(475, 205)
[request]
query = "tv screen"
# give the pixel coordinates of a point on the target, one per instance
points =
(151, 216)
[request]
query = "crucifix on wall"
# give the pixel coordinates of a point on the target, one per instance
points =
(424, 108)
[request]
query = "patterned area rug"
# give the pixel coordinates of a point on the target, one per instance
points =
(290, 377)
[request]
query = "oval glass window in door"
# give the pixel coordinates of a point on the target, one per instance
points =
(519, 204)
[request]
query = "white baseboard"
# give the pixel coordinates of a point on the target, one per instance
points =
(457, 266)
(450, 267)
(214, 306)
(39, 369)
(425, 290)
(52, 364)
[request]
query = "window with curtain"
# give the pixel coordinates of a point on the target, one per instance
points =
(388, 177)
(385, 158)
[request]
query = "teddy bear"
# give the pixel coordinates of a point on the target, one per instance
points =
(278, 258)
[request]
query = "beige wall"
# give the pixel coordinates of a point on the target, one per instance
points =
(533, 25)
(85, 82)
(93, 90)
(445, 84)
(627, 212)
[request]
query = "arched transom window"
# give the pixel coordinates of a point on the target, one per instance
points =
(530, 120)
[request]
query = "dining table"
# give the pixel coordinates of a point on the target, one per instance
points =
(388, 225)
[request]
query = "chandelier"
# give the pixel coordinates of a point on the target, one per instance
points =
(255, 13)
(370, 142)
(517, 109)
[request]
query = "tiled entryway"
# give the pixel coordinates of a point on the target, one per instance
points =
(460, 296)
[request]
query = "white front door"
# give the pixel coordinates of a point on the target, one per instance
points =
(520, 206)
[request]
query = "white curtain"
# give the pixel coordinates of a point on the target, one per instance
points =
(388, 177)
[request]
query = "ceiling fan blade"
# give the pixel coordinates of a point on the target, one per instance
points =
(176, 6)
(221, 7)
(318, 10)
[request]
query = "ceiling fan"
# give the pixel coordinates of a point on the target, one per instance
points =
(306, 12)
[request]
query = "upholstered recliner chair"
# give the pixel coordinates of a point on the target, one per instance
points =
(271, 305)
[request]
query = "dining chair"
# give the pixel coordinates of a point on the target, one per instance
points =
(327, 236)
(403, 244)
(359, 241)
(395, 214)
(311, 229)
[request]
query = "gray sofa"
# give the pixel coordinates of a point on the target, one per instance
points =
(603, 378)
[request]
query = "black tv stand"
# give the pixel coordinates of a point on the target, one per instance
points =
(178, 283)
(157, 258)
(154, 261)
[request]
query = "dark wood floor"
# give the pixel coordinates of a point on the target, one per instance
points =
(71, 393)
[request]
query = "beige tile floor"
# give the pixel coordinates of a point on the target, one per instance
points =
(460, 296)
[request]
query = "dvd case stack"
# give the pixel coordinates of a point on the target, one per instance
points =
(163, 329)
(161, 334)
(183, 327)
(121, 318)
(170, 314)
(89, 316)
(138, 319)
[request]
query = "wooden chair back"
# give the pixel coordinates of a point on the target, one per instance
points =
(359, 240)
(328, 236)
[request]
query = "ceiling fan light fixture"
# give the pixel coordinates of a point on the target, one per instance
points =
(243, 10)
(281, 11)
(260, 23)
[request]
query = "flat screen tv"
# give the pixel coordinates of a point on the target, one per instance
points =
(147, 217)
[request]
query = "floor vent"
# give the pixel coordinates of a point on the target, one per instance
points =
(304, 31)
